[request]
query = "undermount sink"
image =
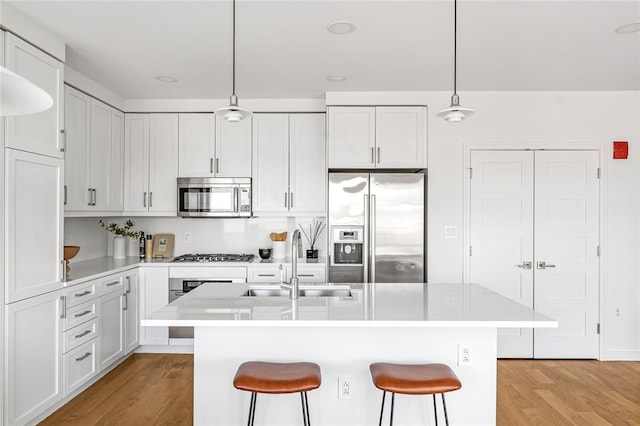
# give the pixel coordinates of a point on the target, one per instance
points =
(305, 291)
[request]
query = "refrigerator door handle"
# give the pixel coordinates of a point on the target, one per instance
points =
(365, 249)
(372, 233)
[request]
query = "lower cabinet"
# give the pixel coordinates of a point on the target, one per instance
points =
(131, 312)
(278, 273)
(154, 294)
(111, 327)
(33, 357)
(80, 365)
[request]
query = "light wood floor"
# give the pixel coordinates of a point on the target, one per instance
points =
(156, 389)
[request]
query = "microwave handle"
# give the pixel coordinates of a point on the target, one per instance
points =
(236, 199)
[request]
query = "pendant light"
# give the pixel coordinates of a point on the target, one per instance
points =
(233, 112)
(455, 112)
(19, 96)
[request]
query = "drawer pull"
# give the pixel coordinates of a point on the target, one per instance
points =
(266, 275)
(83, 334)
(81, 314)
(306, 275)
(113, 283)
(84, 293)
(83, 357)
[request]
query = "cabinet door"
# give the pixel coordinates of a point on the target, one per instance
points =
(307, 168)
(131, 312)
(136, 169)
(116, 163)
(77, 119)
(34, 357)
(233, 148)
(401, 137)
(154, 294)
(33, 224)
(196, 144)
(111, 329)
(39, 133)
(100, 154)
(351, 137)
(163, 163)
(271, 162)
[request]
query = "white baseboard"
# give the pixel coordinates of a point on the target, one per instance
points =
(164, 349)
(621, 355)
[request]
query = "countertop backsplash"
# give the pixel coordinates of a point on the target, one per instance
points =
(206, 235)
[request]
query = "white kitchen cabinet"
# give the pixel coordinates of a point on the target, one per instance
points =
(154, 294)
(94, 154)
(308, 273)
(151, 164)
(80, 365)
(196, 145)
(39, 133)
(233, 148)
(131, 311)
(289, 172)
(111, 330)
(377, 137)
(280, 272)
(33, 225)
(33, 348)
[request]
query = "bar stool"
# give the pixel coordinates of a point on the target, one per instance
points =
(414, 379)
(272, 377)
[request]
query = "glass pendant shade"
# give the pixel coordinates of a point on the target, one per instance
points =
(19, 96)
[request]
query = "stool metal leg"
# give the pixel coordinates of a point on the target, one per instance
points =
(435, 409)
(444, 405)
(252, 409)
(384, 393)
(306, 404)
(305, 409)
(393, 398)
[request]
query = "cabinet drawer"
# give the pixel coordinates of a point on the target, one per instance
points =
(81, 293)
(112, 283)
(79, 335)
(80, 314)
(265, 275)
(311, 274)
(80, 365)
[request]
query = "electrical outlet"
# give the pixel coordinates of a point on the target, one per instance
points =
(464, 355)
(345, 387)
(450, 232)
(187, 237)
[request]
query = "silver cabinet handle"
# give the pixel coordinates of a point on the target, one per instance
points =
(378, 155)
(372, 156)
(372, 219)
(291, 200)
(211, 165)
(144, 200)
(217, 165)
(83, 357)
(95, 196)
(125, 302)
(286, 199)
(64, 270)
(306, 275)
(84, 293)
(151, 199)
(236, 199)
(63, 307)
(525, 265)
(81, 314)
(90, 197)
(113, 283)
(128, 290)
(544, 265)
(84, 333)
(65, 195)
(63, 141)
(266, 275)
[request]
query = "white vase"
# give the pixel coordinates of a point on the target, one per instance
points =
(133, 247)
(119, 244)
(279, 250)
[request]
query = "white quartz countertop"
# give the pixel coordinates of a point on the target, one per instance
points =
(370, 305)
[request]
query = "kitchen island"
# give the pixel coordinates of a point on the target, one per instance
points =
(409, 323)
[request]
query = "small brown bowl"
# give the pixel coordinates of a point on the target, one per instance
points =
(70, 252)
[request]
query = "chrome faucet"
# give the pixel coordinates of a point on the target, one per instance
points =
(296, 251)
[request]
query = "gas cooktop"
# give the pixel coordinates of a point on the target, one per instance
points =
(214, 258)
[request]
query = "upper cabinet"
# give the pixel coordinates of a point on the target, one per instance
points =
(39, 133)
(151, 164)
(94, 158)
(289, 170)
(209, 146)
(377, 137)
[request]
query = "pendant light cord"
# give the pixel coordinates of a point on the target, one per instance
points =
(455, 46)
(233, 89)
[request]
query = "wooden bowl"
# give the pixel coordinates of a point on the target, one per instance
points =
(70, 252)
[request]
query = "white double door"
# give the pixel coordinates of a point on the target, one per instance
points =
(534, 237)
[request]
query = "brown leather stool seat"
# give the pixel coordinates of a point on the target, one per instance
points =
(274, 378)
(414, 379)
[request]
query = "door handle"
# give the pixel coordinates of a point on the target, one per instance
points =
(144, 200)
(291, 200)
(217, 165)
(525, 265)
(544, 265)
(236, 200)
(90, 197)
(378, 155)
(372, 156)
(62, 146)
(65, 195)
(150, 199)
(211, 165)
(286, 199)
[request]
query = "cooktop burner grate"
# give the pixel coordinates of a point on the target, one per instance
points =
(214, 258)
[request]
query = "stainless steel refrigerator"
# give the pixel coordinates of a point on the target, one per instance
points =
(376, 227)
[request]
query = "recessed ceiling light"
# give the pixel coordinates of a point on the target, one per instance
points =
(166, 79)
(336, 78)
(341, 27)
(629, 28)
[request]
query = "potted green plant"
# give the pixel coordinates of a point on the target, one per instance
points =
(119, 241)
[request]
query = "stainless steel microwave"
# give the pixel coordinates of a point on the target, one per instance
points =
(214, 197)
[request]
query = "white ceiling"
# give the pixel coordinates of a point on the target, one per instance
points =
(285, 51)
